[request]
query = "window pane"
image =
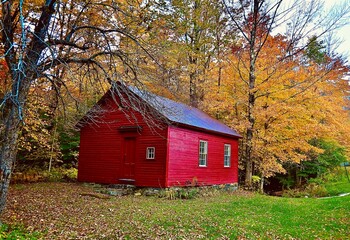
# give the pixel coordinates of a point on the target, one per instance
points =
(227, 155)
(150, 153)
(203, 150)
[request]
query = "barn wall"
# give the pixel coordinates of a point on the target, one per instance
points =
(183, 165)
(101, 150)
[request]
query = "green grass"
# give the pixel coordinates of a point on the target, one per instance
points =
(338, 182)
(256, 217)
(338, 188)
(59, 211)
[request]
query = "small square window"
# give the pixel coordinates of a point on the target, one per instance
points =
(150, 153)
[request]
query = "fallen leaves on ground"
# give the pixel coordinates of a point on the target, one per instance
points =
(75, 211)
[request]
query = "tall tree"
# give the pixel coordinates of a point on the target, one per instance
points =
(302, 100)
(258, 19)
(191, 36)
(37, 38)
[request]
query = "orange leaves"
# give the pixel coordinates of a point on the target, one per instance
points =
(3, 68)
(4, 78)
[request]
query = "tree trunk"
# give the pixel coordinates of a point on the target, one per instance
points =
(251, 96)
(193, 91)
(12, 119)
(248, 171)
(262, 184)
(8, 152)
(250, 129)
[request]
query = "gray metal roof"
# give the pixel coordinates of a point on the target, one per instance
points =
(183, 114)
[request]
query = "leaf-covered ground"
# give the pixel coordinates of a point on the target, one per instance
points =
(72, 211)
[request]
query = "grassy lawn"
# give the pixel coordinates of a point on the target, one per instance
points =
(65, 211)
(341, 184)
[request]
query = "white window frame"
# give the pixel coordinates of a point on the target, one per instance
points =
(150, 153)
(203, 153)
(227, 155)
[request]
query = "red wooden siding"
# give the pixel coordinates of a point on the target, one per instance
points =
(183, 165)
(103, 147)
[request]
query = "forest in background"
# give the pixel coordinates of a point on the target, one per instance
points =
(284, 92)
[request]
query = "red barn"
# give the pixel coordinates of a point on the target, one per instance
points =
(134, 137)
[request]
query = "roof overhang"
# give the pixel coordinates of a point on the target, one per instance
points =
(176, 124)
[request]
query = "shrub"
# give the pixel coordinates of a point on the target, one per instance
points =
(169, 193)
(179, 193)
(316, 190)
(311, 190)
(295, 193)
(193, 192)
(61, 174)
(320, 164)
(337, 175)
(38, 175)
(316, 181)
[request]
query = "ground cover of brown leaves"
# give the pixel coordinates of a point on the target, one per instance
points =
(76, 211)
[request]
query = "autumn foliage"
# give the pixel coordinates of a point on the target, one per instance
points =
(296, 100)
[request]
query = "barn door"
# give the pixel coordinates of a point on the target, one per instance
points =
(129, 158)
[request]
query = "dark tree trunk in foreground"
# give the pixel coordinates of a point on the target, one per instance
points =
(23, 72)
(8, 152)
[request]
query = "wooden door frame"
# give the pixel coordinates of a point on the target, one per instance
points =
(127, 177)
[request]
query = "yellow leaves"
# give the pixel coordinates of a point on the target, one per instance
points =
(294, 103)
(35, 140)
